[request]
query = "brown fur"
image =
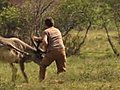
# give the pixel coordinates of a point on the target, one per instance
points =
(13, 50)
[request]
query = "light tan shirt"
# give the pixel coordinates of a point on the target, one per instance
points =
(54, 39)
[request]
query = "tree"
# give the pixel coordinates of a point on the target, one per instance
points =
(25, 19)
(3, 4)
(32, 13)
(9, 18)
(73, 15)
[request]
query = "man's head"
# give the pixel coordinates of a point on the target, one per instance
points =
(49, 22)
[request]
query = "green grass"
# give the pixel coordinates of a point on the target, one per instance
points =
(96, 68)
(82, 74)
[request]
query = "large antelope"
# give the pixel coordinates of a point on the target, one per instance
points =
(13, 50)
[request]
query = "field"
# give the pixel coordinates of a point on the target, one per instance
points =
(96, 68)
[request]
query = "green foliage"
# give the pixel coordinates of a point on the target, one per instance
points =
(73, 15)
(70, 14)
(3, 4)
(10, 17)
(9, 20)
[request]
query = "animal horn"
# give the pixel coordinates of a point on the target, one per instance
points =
(34, 43)
(17, 49)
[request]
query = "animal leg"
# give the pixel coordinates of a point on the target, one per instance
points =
(22, 67)
(14, 71)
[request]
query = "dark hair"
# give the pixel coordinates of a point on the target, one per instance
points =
(49, 21)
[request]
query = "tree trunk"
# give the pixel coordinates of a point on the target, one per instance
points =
(110, 42)
(83, 41)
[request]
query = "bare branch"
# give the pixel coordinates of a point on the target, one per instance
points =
(83, 41)
(47, 6)
(72, 26)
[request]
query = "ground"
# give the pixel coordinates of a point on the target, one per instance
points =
(96, 68)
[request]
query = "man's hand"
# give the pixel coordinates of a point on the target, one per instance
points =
(37, 39)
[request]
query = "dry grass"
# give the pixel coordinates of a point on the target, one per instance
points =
(95, 69)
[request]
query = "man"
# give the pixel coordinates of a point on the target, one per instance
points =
(53, 45)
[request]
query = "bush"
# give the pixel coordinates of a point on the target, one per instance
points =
(10, 20)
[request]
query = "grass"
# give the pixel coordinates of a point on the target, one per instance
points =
(96, 68)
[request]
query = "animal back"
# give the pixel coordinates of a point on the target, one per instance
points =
(7, 55)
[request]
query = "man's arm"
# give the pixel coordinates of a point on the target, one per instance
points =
(45, 42)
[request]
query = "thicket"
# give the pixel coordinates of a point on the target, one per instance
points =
(70, 15)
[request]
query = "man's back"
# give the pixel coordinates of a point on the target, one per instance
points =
(54, 39)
